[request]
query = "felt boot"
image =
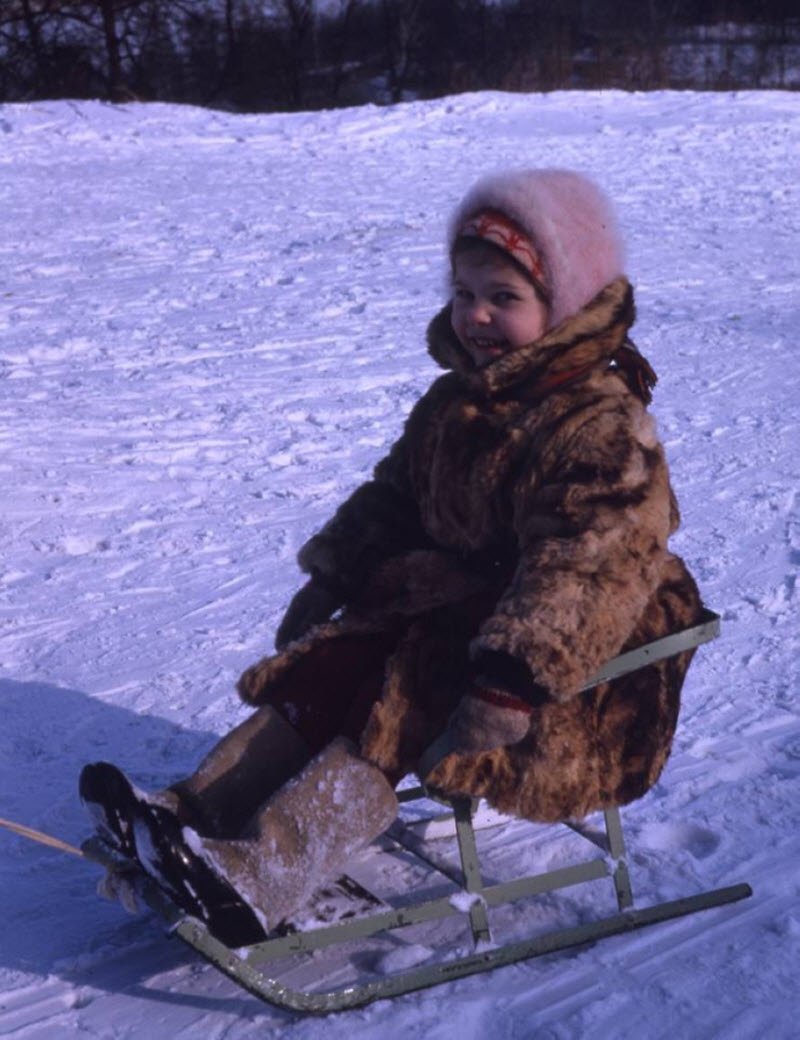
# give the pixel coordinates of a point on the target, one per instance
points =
(239, 773)
(301, 837)
(232, 781)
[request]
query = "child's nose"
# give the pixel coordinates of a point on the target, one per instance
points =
(480, 313)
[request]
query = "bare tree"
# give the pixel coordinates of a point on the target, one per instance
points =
(230, 39)
(35, 49)
(659, 29)
(298, 19)
(339, 20)
(402, 25)
(32, 27)
(100, 21)
(266, 54)
(116, 87)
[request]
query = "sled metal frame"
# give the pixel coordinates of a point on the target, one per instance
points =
(470, 899)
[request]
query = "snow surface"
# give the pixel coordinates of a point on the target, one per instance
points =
(211, 326)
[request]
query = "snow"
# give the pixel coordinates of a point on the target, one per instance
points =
(464, 901)
(211, 327)
(404, 958)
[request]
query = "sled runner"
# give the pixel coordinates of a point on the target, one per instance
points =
(347, 913)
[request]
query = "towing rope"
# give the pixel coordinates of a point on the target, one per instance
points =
(41, 837)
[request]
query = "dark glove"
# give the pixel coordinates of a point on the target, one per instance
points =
(312, 605)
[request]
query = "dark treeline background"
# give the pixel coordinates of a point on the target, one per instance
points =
(288, 54)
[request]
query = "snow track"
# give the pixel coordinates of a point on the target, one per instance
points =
(211, 327)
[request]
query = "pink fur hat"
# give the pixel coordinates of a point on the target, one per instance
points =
(568, 220)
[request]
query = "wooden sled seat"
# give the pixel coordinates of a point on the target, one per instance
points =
(467, 897)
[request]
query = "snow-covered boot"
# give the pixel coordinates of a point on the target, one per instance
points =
(299, 839)
(239, 773)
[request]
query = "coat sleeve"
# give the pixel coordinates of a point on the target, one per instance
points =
(592, 518)
(379, 520)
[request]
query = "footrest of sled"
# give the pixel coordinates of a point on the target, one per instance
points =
(344, 899)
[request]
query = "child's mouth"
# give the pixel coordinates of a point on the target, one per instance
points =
(486, 350)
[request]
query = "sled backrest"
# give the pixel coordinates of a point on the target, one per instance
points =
(706, 629)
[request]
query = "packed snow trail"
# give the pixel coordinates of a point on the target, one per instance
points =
(211, 327)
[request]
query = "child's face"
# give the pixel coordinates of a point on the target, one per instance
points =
(495, 308)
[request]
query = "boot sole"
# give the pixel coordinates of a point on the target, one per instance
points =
(152, 837)
(109, 799)
(190, 881)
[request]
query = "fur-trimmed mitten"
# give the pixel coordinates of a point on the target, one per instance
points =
(312, 605)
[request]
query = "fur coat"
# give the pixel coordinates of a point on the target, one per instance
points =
(524, 510)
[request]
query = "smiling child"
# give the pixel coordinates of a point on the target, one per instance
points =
(512, 541)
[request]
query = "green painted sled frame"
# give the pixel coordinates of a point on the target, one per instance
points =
(250, 966)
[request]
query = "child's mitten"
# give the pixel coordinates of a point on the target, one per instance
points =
(497, 710)
(495, 713)
(486, 719)
(312, 605)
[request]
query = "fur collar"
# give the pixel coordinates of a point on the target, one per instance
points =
(586, 339)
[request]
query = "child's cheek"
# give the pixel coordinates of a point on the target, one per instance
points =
(457, 322)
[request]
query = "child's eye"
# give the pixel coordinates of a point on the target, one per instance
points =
(461, 294)
(504, 296)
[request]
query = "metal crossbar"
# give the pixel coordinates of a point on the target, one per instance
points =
(471, 899)
(704, 631)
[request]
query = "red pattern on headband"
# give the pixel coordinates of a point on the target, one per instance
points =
(496, 227)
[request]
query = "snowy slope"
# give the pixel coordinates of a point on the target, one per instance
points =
(211, 327)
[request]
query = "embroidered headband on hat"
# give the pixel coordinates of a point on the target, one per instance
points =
(495, 227)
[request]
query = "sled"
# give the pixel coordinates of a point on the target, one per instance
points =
(464, 899)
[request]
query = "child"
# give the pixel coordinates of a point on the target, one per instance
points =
(511, 542)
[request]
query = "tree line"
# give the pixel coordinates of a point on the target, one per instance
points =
(267, 55)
